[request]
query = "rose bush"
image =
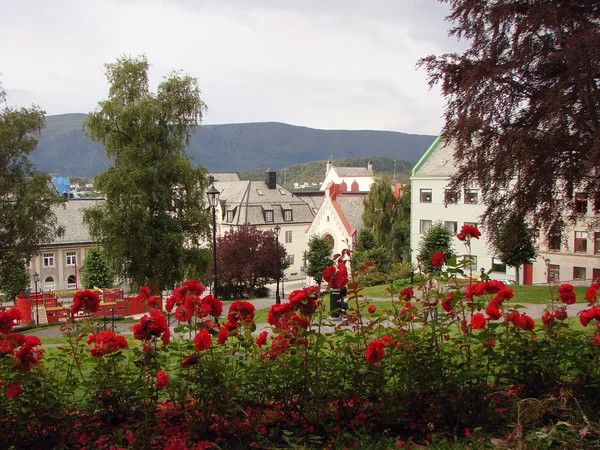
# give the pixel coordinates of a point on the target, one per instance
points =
(216, 382)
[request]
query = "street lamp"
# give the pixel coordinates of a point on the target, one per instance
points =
(277, 229)
(36, 278)
(213, 200)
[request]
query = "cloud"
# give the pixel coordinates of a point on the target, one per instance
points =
(326, 64)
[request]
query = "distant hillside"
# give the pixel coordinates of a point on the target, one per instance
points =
(314, 171)
(64, 149)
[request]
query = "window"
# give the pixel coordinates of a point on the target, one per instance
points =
(597, 204)
(554, 242)
(288, 237)
(424, 226)
(596, 242)
(290, 259)
(49, 260)
(71, 284)
(259, 192)
(49, 284)
(230, 215)
(498, 266)
(581, 203)
(471, 196)
(281, 191)
(580, 242)
(451, 196)
(473, 265)
(425, 195)
(596, 274)
(71, 258)
(579, 273)
(473, 224)
(287, 215)
(452, 227)
(553, 273)
(269, 216)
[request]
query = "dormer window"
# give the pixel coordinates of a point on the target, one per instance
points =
(259, 192)
(287, 215)
(230, 215)
(269, 216)
(282, 191)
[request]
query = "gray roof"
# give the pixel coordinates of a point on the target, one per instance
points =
(225, 176)
(250, 199)
(314, 201)
(352, 208)
(69, 215)
(353, 172)
(438, 163)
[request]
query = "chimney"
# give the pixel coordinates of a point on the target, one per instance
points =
(211, 180)
(370, 166)
(271, 179)
(328, 167)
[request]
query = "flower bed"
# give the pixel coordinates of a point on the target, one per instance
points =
(460, 363)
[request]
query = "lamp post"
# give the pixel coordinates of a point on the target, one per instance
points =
(213, 200)
(36, 278)
(277, 229)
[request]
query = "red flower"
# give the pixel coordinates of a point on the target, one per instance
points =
(191, 287)
(467, 232)
(183, 314)
(13, 390)
(438, 259)
(591, 294)
(561, 314)
(231, 326)
(151, 326)
(375, 352)
(372, 309)
(162, 378)
(493, 312)
(587, 315)
(215, 307)
(277, 313)
(262, 338)
(202, 340)
(223, 335)
(27, 355)
(448, 303)
(241, 312)
(567, 294)
(547, 319)
(189, 361)
(597, 340)
(279, 344)
(336, 278)
(7, 319)
(105, 343)
(86, 301)
(406, 294)
(478, 321)
(305, 300)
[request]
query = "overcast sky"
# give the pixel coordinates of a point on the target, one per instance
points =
(333, 64)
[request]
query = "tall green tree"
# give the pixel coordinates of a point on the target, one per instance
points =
(523, 104)
(400, 235)
(318, 257)
(515, 245)
(437, 239)
(96, 272)
(154, 218)
(378, 212)
(27, 199)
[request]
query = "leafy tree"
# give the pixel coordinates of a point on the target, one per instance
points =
(247, 260)
(96, 272)
(437, 239)
(400, 235)
(154, 219)
(318, 257)
(523, 106)
(14, 280)
(366, 240)
(27, 199)
(515, 245)
(378, 212)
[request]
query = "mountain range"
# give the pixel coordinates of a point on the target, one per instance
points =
(64, 148)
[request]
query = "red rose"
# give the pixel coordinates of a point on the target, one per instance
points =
(493, 312)
(183, 314)
(448, 303)
(438, 259)
(587, 315)
(151, 326)
(7, 319)
(262, 338)
(561, 314)
(279, 344)
(567, 294)
(547, 319)
(336, 278)
(105, 343)
(13, 390)
(591, 294)
(189, 361)
(478, 321)
(202, 340)
(597, 340)
(277, 312)
(468, 231)
(406, 294)
(372, 309)
(86, 301)
(242, 313)
(223, 335)
(162, 378)
(375, 352)
(215, 307)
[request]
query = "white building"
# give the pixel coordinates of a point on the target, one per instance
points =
(576, 260)
(350, 179)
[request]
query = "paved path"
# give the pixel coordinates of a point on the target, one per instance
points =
(533, 310)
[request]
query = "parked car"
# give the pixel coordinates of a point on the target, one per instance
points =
(509, 282)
